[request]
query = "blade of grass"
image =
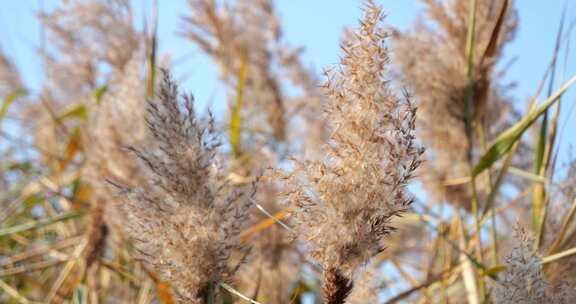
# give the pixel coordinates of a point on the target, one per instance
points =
(75, 111)
(9, 100)
(236, 117)
(37, 251)
(527, 175)
(451, 242)
(544, 147)
(12, 292)
(263, 225)
(99, 93)
(539, 155)
(504, 142)
(80, 295)
(558, 256)
(151, 53)
(38, 224)
(490, 50)
(72, 148)
(495, 188)
(469, 96)
(469, 93)
(468, 274)
(30, 267)
(235, 292)
(563, 229)
(72, 261)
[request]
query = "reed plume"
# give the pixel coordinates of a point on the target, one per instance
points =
(344, 202)
(245, 37)
(432, 62)
(524, 280)
(85, 57)
(184, 220)
(106, 133)
(249, 32)
(82, 44)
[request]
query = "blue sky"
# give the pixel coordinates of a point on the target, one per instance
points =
(317, 26)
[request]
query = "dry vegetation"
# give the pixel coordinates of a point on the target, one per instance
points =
(115, 190)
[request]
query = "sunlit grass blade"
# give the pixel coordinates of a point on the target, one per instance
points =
(558, 256)
(236, 116)
(13, 292)
(544, 147)
(263, 225)
(99, 93)
(495, 188)
(78, 110)
(38, 224)
(151, 52)
(527, 175)
(9, 100)
(504, 142)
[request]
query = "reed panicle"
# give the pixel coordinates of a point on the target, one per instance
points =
(431, 61)
(107, 133)
(344, 202)
(234, 33)
(524, 280)
(184, 220)
(80, 35)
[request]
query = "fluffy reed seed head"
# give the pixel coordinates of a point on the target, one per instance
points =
(117, 121)
(234, 33)
(524, 280)
(83, 54)
(184, 221)
(431, 61)
(81, 37)
(344, 202)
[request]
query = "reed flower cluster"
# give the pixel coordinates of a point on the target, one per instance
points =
(260, 71)
(247, 35)
(344, 202)
(432, 61)
(80, 34)
(524, 280)
(106, 133)
(184, 220)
